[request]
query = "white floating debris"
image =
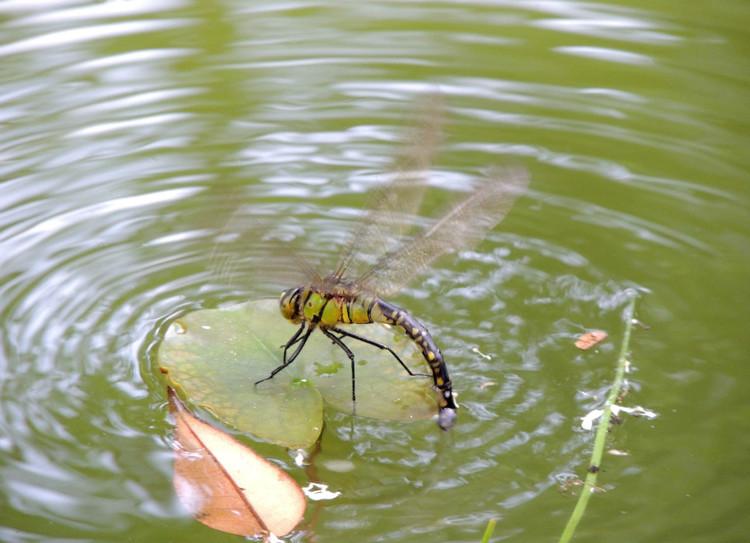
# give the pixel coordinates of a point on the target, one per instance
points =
(300, 457)
(480, 353)
(319, 492)
(587, 421)
(636, 411)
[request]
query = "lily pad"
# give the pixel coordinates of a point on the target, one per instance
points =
(216, 355)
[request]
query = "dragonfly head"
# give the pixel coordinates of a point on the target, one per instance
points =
(289, 303)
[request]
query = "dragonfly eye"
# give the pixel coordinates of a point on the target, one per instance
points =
(288, 303)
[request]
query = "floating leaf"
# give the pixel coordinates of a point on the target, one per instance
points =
(228, 486)
(215, 356)
(590, 339)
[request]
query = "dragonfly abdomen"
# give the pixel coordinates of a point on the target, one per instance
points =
(357, 310)
(382, 311)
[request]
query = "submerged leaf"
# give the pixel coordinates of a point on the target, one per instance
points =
(216, 355)
(228, 486)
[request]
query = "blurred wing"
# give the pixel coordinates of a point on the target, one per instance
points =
(253, 253)
(461, 228)
(391, 208)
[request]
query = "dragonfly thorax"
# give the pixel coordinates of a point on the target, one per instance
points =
(325, 308)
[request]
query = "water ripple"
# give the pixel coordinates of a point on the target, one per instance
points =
(85, 34)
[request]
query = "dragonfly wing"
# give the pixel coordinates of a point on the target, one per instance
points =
(247, 255)
(461, 228)
(391, 208)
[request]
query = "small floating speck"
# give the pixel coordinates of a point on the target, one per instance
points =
(205, 327)
(300, 457)
(480, 353)
(177, 328)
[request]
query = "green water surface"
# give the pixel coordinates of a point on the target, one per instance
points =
(161, 157)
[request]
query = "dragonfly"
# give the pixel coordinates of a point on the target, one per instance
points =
(355, 291)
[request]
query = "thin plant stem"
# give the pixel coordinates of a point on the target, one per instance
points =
(488, 530)
(589, 484)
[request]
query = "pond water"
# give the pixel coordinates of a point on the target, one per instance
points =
(134, 133)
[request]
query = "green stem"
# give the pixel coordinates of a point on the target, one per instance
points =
(488, 530)
(601, 431)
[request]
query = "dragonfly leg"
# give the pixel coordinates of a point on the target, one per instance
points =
(380, 346)
(295, 339)
(337, 341)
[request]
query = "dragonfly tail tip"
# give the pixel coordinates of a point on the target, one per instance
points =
(446, 418)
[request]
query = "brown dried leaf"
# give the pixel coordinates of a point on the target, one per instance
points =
(228, 486)
(590, 339)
